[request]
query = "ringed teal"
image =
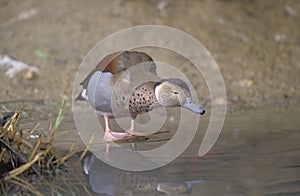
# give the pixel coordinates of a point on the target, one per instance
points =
(114, 89)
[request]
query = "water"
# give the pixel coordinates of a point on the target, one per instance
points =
(257, 153)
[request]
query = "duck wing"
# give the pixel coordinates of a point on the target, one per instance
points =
(120, 61)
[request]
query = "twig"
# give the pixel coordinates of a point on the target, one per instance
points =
(24, 184)
(84, 152)
(20, 156)
(24, 167)
(35, 149)
(71, 152)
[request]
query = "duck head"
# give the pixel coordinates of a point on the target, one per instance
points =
(174, 92)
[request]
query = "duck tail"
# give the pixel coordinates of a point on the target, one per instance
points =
(82, 96)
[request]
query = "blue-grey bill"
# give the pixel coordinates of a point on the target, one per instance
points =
(190, 105)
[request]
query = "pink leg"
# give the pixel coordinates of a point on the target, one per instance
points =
(131, 130)
(110, 135)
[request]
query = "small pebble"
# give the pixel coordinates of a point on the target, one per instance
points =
(171, 119)
(162, 5)
(27, 14)
(280, 37)
(219, 101)
(33, 136)
(29, 75)
(289, 11)
(246, 83)
(221, 21)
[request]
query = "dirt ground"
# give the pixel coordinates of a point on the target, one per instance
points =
(256, 44)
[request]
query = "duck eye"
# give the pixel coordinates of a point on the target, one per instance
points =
(175, 93)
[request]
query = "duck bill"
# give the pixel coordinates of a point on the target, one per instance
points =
(190, 105)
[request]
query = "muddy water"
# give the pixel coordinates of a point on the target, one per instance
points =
(257, 153)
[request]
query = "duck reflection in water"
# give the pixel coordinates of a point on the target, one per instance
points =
(109, 180)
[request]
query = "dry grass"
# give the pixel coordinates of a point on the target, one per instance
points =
(28, 156)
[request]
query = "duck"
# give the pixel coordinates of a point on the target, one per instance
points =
(126, 84)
